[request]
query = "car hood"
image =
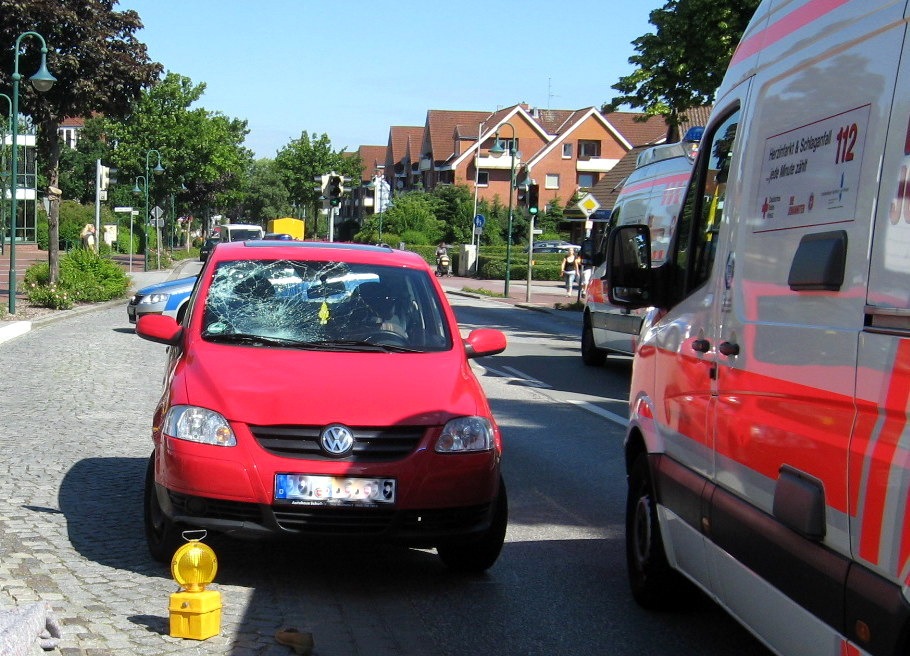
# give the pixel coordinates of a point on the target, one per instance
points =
(169, 287)
(270, 386)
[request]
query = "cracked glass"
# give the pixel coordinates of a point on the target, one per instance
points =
(324, 305)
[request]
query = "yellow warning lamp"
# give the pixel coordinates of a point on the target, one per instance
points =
(195, 611)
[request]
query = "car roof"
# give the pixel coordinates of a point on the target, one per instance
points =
(315, 250)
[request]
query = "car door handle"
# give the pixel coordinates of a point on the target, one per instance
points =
(701, 345)
(728, 348)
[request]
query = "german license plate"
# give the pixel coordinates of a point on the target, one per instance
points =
(329, 490)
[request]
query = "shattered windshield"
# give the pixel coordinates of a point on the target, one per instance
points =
(324, 305)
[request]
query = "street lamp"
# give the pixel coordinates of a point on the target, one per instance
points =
(158, 170)
(4, 174)
(498, 149)
(42, 81)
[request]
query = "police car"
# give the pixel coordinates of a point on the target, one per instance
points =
(168, 298)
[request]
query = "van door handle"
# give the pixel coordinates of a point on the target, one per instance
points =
(728, 348)
(701, 345)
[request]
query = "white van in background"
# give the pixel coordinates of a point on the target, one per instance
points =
(768, 448)
(651, 195)
(240, 232)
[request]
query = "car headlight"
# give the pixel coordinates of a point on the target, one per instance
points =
(187, 422)
(154, 298)
(465, 434)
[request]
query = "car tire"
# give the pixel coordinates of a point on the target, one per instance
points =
(655, 585)
(590, 354)
(477, 554)
(162, 535)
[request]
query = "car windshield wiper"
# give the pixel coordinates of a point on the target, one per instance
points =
(261, 340)
(361, 345)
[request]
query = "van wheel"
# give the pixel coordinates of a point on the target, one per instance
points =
(590, 354)
(162, 535)
(655, 585)
(478, 554)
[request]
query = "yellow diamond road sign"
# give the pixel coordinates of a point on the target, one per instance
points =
(588, 205)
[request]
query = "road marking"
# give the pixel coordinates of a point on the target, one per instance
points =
(600, 412)
(533, 381)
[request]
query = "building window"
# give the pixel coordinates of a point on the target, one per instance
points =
(483, 178)
(507, 144)
(588, 148)
(586, 180)
(551, 181)
(567, 151)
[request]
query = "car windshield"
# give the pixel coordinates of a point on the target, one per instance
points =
(324, 305)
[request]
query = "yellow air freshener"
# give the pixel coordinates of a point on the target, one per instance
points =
(324, 313)
(194, 611)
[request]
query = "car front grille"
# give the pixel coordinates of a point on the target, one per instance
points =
(370, 444)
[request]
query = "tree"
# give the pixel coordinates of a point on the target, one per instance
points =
(681, 65)
(267, 196)
(202, 153)
(99, 64)
(303, 159)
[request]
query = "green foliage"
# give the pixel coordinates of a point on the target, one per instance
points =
(302, 160)
(205, 163)
(84, 277)
(681, 64)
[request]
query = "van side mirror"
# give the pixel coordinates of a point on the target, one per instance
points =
(629, 283)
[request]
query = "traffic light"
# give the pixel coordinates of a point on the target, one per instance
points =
(533, 198)
(323, 181)
(107, 178)
(334, 190)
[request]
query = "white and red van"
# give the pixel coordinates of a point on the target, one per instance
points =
(651, 195)
(768, 449)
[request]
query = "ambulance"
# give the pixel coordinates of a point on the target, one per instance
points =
(652, 194)
(768, 448)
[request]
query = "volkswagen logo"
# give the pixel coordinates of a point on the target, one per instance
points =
(336, 440)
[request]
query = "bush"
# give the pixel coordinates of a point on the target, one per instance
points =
(49, 296)
(84, 278)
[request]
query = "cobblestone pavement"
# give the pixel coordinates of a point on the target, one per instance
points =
(78, 395)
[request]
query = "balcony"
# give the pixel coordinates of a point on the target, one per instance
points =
(502, 162)
(595, 165)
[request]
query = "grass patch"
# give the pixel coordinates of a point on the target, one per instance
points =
(573, 306)
(483, 292)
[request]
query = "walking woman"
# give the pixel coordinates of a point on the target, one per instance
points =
(571, 268)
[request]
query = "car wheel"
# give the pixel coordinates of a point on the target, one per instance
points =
(478, 554)
(655, 585)
(590, 354)
(161, 534)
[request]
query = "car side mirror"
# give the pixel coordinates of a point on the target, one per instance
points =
(484, 341)
(629, 266)
(160, 329)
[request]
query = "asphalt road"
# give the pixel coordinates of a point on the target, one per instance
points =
(78, 396)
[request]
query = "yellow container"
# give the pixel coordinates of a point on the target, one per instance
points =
(195, 615)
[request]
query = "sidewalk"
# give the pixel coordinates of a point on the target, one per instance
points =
(544, 294)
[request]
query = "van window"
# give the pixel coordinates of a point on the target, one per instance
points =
(699, 219)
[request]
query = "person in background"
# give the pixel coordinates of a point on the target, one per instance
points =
(88, 236)
(571, 267)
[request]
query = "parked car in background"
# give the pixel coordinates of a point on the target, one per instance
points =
(280, 236)
(206, 248)
(279, 417)
(553, 246)
(168, 298)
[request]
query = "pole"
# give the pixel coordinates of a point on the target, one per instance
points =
(14, 187)
(530, 258)
(97, 205)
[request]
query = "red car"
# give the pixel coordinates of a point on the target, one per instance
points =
(324, 390)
